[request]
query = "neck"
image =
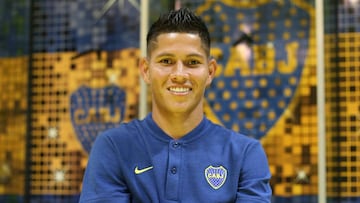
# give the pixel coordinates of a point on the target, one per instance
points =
(176, 125)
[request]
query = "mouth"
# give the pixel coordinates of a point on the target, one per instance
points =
(179, 90)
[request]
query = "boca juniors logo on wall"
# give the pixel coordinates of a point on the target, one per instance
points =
(95, 110)
(112, 27)
(261, 51)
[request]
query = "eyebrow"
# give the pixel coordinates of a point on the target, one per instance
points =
(172, 55)
(196, 55)
(165, 54)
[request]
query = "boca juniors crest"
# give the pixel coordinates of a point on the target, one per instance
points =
(112, 27)
(94, 110)
(215, 176)
(261, 51)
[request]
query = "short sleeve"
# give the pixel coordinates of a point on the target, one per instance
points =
(254, 181)
(102, 180)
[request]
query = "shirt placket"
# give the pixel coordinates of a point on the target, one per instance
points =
(173, 171)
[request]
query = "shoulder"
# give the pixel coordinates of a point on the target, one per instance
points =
(123, 129)
(124, 133)
(235, 140)
(223, 132)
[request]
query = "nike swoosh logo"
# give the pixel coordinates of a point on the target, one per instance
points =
(139, 171)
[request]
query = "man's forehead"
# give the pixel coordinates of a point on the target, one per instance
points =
(165, 37)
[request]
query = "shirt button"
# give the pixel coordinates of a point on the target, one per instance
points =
(176, 144)
(173, 170)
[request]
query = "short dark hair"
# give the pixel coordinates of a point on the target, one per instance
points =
(182, 21)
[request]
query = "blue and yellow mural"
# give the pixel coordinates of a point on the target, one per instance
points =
(68, 70)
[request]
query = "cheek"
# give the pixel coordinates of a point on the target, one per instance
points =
(159, 73)
(207, 78)
(156, 78)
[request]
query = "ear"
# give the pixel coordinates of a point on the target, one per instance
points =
(212, 70)
(144, 70)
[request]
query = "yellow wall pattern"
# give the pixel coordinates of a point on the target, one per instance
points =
(13, 109)
(342, 68)
(58, 160)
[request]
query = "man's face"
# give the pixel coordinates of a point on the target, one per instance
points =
(178, 71)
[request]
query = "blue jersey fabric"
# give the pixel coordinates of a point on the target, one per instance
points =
(138, 162)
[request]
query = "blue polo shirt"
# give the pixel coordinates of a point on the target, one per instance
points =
(139, 162)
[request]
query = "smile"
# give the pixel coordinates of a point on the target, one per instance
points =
(179, 89)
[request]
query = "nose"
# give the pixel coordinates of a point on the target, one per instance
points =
(179, 74)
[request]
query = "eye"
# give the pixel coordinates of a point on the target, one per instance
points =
(166, 61)
(193, 62)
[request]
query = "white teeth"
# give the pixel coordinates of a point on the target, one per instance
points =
(179, 89)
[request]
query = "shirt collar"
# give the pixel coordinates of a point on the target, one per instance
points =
(194, 134)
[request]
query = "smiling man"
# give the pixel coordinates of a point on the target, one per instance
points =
(176, 154)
